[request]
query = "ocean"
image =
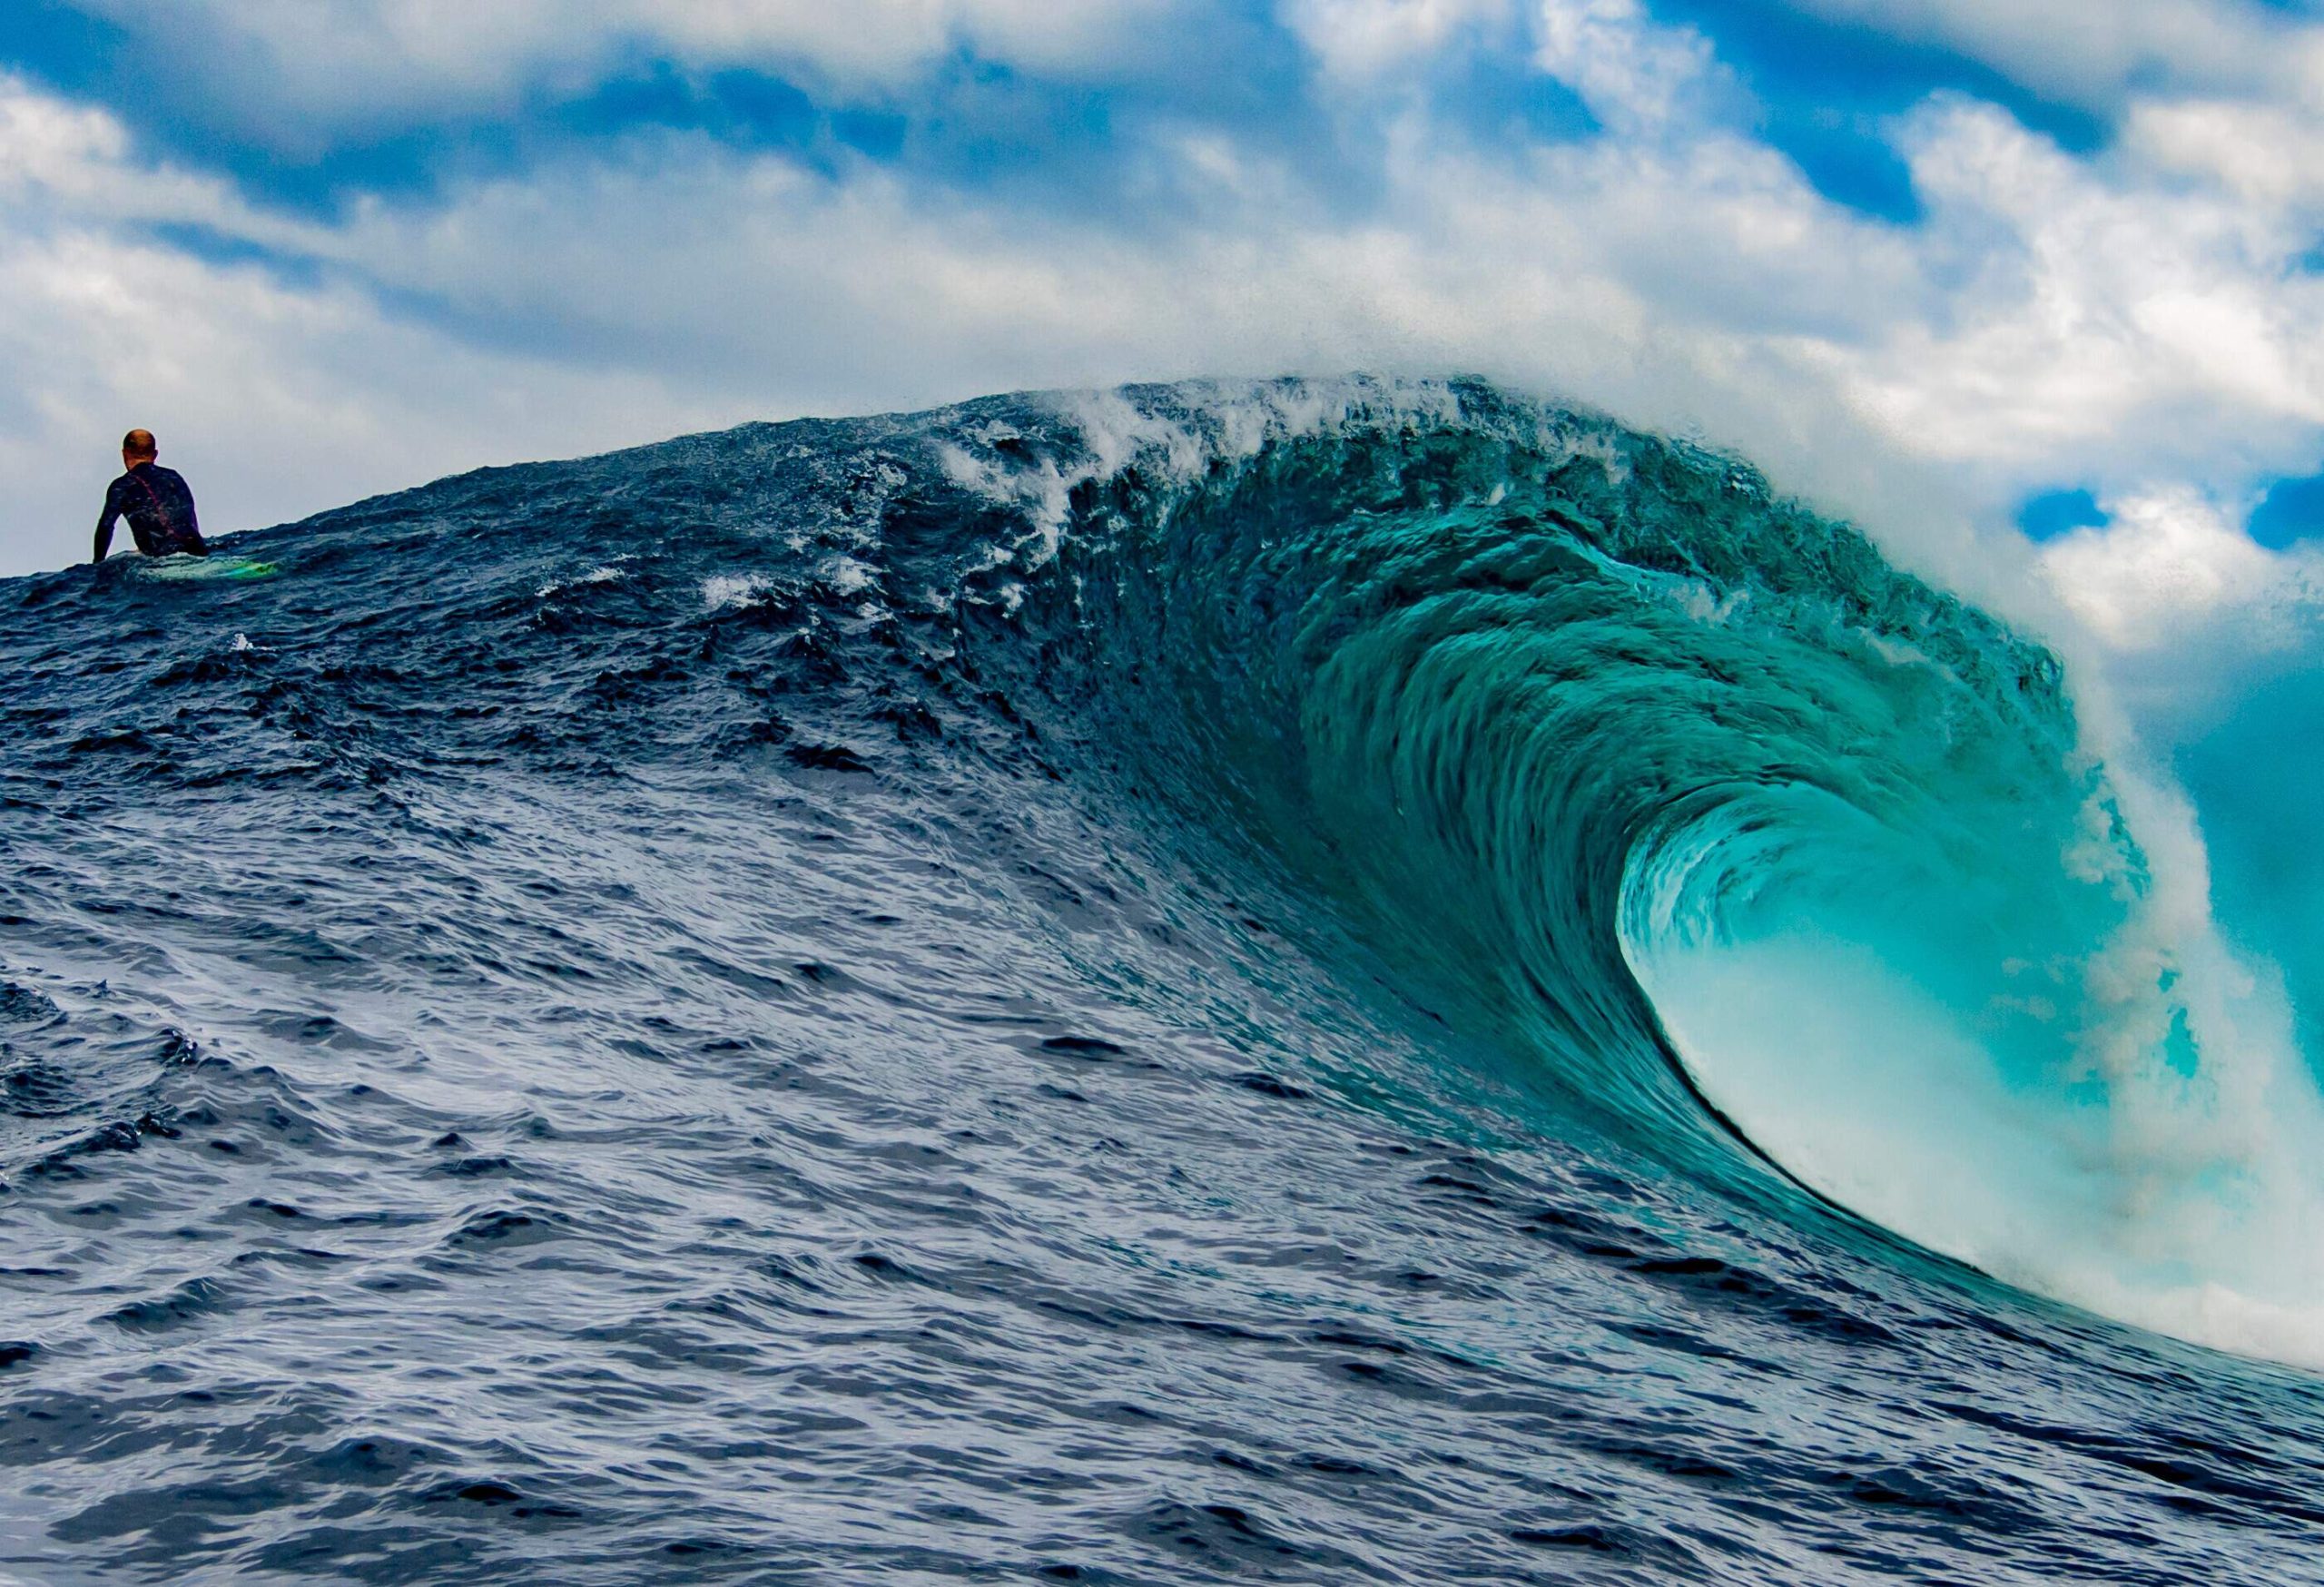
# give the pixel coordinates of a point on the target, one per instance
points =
(1327, 982)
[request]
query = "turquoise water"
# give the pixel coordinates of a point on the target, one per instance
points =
(1753, 850)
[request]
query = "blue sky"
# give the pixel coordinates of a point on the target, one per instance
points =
(1986, 271)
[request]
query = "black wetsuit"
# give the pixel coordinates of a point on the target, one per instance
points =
(159, 505)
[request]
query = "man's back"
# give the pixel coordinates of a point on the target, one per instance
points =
(158, 503)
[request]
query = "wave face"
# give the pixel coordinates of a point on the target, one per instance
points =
(1319, 981)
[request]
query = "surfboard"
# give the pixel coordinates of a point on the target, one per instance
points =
(175, 568)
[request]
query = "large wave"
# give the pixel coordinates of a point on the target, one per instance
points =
(1739, 841)
(1669, 798)
(1364, 980)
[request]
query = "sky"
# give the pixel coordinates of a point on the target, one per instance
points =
(2032, 287)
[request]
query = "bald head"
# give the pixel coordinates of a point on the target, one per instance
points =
(138, 447)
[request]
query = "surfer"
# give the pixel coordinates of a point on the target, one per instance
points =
(157, 502)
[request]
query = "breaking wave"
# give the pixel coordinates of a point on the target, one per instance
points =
(1286, 935)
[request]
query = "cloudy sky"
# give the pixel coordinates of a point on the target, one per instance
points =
(2049, 270)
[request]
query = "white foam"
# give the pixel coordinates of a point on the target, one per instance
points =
(603, 572)
(1233, 423)
(847, 576)
(726, 591)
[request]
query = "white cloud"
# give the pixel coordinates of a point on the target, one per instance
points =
(1634, 77)
(47, 144)
(1368, 39)
(2112, 320)
(2266, 155)
(2170, 565)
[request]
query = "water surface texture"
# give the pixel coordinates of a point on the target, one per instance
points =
(1330, 983)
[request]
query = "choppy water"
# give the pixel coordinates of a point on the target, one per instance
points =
(1084, 989)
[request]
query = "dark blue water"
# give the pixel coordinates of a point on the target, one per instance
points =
(1045, 992)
